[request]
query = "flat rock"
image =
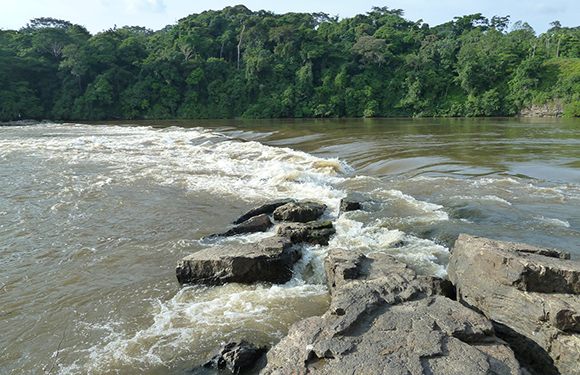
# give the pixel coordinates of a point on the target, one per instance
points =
(314, 233)
(300, 212)
(531, 298)
(269, 260)
(266, 208)
(385, 319)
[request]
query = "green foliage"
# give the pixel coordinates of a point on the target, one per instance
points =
(239, 63)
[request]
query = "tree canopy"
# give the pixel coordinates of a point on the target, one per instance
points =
(236, 63)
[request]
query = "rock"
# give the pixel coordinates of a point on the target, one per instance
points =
(352, 202)
(385, 319)
(237, 357)
(269, 260)
(259, 223)
(314, 233)
(301, 212)
(267, 208)
(530, 293)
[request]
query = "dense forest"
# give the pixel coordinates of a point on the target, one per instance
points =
(237, 63)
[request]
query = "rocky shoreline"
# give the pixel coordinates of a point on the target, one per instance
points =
(507, 308)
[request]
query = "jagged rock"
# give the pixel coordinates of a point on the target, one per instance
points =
(384, 319)
(236, 357)
(269, 260)
(301, 212)
(533, 299)
(314, 233)
(259, 223)
(267, 208)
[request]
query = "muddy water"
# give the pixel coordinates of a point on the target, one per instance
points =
(94, 217)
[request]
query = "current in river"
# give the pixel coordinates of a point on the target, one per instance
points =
(94, 217)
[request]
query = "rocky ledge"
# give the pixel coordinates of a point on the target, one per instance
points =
(385, 319)
(530, 293)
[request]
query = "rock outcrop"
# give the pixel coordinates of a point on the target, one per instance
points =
(314, 233)
(385, 319)
(267, 208)
(299, 212)
(531, 294)
(269, 260)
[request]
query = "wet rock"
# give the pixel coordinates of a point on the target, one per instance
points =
(314, 233)
(385, 319)
(260, 223)
(531, 294)
(269, 260)
(352, 202)
(267, 208)
(237, 357)
(300, 212)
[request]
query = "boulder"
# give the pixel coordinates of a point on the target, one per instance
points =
(314, 233)
(301, 212)
(260, 223)
(269, 260)
(531, 295)
(385, 319)
(267, 208)
(237, 357)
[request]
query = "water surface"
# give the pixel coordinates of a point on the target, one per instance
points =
(94, 217)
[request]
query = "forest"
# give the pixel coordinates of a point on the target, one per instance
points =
(238, 63)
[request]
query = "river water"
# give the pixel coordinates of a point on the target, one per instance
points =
(94, 217)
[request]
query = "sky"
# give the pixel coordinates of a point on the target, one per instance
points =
(99, 15)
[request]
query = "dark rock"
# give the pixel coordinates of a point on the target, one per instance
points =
(384, 319)
(260, 223)
(534, 296)
(352, 202)
(237, 357)
(300, 212)
(314, 233)
(269, 260)
(267, 208)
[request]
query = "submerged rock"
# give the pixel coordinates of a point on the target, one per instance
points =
(531, 294)
(300, 212)
(269, 260)
(314, 233)
(237, 357)
(267, 208)
(385, 319)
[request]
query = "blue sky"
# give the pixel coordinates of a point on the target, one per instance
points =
(98, 15)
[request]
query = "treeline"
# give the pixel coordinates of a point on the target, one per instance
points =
(239, 63)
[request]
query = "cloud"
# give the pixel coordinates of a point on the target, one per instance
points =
(145, 6)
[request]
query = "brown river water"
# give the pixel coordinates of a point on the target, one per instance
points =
(94, 217)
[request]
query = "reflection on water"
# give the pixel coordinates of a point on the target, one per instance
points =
(94, 217)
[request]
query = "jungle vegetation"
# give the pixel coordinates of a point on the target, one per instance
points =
(238, 63)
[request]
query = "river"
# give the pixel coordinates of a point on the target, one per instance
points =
(94, 217)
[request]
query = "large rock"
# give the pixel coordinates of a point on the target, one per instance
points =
(301, 212)
(530, 293)
(385, 319)
(266, 208)
(269, 260)
(314, 233)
